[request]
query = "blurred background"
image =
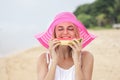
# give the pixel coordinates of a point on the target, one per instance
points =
(20, 20)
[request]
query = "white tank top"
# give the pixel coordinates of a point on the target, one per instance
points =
(62, 74)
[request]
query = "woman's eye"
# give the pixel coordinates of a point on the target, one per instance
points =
(60, 29)
(71, 29)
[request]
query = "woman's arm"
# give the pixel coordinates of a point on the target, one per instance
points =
(43, 73)
(87, 65)
(83, 61)
(84, 72)
(42, 68)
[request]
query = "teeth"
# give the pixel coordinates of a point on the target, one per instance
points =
(65, 37)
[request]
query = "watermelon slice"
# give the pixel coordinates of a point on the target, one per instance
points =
(67, 41)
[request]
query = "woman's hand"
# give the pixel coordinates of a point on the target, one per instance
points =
(76, 51)
(53, 44)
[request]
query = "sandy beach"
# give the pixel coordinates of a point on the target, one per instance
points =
(105, 49)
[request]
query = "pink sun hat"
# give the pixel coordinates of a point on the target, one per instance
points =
(44, 37)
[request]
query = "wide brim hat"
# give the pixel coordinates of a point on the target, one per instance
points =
(44, 37)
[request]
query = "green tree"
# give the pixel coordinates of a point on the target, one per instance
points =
(87, 20)
(105, 12)
(101, 19)
(82, 9)
(117, 10)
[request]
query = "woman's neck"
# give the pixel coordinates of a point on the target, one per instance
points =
(64, 52)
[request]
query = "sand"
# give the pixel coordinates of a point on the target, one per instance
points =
(105, 48)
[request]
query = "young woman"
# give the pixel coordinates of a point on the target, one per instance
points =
(65, 62)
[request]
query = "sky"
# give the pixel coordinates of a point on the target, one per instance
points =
(22, 19)
(37, 13)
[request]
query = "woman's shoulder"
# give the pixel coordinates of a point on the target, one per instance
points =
(42, 58)
(87, 54)
(42, 55)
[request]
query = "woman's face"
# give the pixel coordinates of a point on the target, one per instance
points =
(65, 30)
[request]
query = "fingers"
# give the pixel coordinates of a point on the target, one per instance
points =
(53, 43)
(56, 45)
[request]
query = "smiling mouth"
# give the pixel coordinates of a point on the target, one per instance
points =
(65, 37)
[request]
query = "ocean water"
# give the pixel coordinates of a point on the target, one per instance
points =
(17, 38)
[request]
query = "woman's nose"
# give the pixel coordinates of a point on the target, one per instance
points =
(65, 31)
